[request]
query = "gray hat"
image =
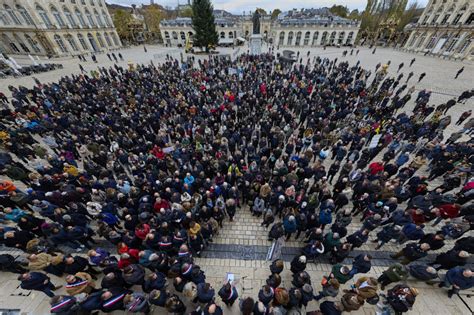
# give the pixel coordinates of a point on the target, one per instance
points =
(67, 217)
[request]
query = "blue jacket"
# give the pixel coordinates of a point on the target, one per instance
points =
(411, 232)
(455, 276)
(290, 226)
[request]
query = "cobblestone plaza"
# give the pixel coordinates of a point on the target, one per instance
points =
(241, 247)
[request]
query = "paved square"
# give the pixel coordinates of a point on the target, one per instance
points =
(242, 246)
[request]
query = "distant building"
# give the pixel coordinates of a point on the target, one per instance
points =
(56, 28)
(308, 27)
(313, 27)
(175, 32)
(445, 29)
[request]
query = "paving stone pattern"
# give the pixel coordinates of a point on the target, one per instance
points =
(242, 246)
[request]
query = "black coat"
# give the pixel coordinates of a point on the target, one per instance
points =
(79, 264)
(329, 308)
(419, 272)
(413, 252)
(361, 264)
(450, 259)
(296, 265)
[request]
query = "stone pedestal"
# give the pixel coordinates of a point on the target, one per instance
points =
(255, 44)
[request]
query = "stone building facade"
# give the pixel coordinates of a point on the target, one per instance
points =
(56, 28)
(311, 27)
(176, 32)
(445, 29)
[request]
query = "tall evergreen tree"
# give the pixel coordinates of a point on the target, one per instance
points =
(203, 24)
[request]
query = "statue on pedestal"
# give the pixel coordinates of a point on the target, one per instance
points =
(256, 22)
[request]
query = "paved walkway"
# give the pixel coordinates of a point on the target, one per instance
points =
(241, 246)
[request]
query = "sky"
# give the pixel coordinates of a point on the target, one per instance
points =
(239, 6)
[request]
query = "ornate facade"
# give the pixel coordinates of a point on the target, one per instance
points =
(176, 32)
(313, 27)
(445, 29)
(56, 28)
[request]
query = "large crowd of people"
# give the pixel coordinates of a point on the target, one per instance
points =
(116, 182)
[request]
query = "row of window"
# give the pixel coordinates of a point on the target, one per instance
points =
(83, 2)
(447, 19)
(333, 38)
(449, 43)
(89, 43)
(8, 16)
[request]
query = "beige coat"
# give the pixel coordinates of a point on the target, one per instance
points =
(84, 288)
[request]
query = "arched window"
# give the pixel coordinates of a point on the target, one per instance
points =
(79, 16)
(421, 40)
(20, 42)
(451, 43)
(69, 17)
(44, 16)
(350, 38)
(315, 38)
(92, 3)
(58, 17)
(413, 39)
(432, 42)
(289, 41)
(60, 43)
(12, 14)
(25, 15)
(190, 35)
(106, 19)
(82, 42)
(324, 38)
(182, 35)
(465, 44)
(71, 42)
(4, 19)
(340, 40)
(222, 35)
(298, 39)
(167, 34)
(89, 18)
(107, 39)
(115, 39)
(175, 35)
(307, 36)
(10, 43)
(98, 18)
(231, 35)
(281, 39)
(332, 38)
(92, 42)
(100, 40)
(32, 43)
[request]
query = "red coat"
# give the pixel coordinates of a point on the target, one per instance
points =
(376, 168)
(449, 210)
(162, 204)
(142, 232)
